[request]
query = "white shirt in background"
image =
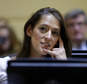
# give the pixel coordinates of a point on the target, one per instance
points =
(3, 68)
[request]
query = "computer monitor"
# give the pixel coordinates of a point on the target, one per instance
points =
(47, 71)
(79, 53)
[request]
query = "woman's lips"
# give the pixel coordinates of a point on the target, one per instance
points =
(45, 45)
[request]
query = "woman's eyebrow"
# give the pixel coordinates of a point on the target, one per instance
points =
(44, 25)
(57, 29)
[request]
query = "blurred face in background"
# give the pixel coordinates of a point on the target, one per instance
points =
(76, 28)
(5, 42)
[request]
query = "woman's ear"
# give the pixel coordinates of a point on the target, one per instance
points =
(29, 31)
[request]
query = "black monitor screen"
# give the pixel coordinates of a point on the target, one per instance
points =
(47, 71)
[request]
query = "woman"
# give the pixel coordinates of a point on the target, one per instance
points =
(45, 36)
(45, 33)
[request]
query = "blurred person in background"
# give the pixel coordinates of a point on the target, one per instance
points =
(3, 21)
(8, 41)
(76, 23)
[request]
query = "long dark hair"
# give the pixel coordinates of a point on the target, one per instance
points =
(25, 51)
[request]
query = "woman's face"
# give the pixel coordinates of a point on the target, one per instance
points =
(45, 35)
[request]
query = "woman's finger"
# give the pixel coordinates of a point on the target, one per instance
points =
(48, 51)
(55, 49)
(58, 53)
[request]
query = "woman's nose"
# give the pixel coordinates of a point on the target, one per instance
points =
(48, 36)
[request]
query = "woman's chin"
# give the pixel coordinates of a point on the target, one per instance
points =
(43, 53)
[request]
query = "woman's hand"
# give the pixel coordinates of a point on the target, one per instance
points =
(58, 53)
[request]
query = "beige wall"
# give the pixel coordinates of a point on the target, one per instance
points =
(18, 11)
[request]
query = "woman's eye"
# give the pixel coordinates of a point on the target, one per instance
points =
(55, 33)
(43, 29)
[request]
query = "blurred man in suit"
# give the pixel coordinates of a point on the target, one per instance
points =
(76, 23)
